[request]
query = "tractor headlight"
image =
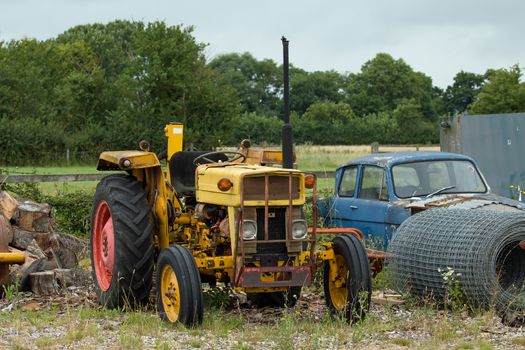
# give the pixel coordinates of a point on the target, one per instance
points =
(249, 230)
(299, 229)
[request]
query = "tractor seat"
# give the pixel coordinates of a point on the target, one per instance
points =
(182, 170)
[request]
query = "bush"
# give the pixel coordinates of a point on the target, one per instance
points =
(73, 211)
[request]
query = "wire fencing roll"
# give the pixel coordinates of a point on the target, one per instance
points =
(478, 249)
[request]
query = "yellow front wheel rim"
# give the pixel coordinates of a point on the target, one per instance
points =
(169, 287)
(338, 288)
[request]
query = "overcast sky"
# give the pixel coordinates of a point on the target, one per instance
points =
(438, 38)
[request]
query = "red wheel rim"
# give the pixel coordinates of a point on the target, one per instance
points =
(103, 246)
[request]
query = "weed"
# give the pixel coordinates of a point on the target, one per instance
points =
(217, 298)
(453, 293)
(11, 293)
(464, 345)
(381, 281)
(242, 346)
(129, 341)
(401, 342)
(518, 341)
(194, 343)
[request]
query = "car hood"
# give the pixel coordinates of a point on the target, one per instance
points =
(463, 201)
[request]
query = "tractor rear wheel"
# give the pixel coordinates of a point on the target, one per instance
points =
(121, 242)
(349, 293)
(179, 290)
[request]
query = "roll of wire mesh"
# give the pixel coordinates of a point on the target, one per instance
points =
(481, 250)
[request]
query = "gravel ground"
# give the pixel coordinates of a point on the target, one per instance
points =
(74, 320)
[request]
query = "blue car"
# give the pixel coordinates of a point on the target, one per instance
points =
(376, 193)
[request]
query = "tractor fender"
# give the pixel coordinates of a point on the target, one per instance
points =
(127, 160)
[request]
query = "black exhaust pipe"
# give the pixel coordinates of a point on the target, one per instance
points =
(287, 142)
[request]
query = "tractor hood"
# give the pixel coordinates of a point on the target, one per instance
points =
(248, 181)
(463, 201)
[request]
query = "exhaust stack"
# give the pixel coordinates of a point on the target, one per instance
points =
(287, 141)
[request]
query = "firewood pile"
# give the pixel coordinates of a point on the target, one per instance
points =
(50, 257)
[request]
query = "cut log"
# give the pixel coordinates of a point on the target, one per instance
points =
(43, 283)
(78, 246)
(6, 231)
(38, 265)
(21, 238)
(64, 277)
(33, 250)
(31, 216)
(7, 205)
(16, 271)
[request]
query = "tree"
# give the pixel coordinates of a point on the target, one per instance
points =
(258, 83)
(411, 125)
(462, 93)
(502, 93)
(307, 88)
(326, 123)
(384, 82)
(154, 74)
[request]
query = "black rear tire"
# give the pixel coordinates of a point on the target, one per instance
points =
(356, 292)
(183, 301)
(131, 277)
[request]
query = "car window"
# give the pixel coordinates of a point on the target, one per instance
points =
(417, 179)
(373, 184)
(347, 186)
(405, 176)
(438, 176)
(467, 177)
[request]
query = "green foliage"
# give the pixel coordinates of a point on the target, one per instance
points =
(99, 87)
(107, 86)
(72, 211)
(325, 123)
(29, 191)
(384, 82)
(258, 83)
(502, 93)
(217, 298)
(258, 128)
(308, 88)
(462, 93)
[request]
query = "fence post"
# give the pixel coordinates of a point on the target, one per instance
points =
(67, 157)
(375, 147)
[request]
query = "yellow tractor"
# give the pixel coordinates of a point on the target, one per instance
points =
(232, 217)
(212, 217)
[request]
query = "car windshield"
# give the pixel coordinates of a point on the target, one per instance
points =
(419, 179)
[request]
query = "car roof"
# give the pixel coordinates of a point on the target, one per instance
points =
(393, 158)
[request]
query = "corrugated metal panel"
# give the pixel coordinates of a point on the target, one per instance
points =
(496, 142)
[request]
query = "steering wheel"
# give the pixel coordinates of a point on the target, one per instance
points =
(204, 157)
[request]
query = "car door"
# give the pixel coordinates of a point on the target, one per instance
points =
(369, 209)
(341, 212)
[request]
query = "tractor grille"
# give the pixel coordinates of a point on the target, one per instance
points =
(276, 230)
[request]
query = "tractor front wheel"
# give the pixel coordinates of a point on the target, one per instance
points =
(179, 290)
(347, 281)
(121, 242)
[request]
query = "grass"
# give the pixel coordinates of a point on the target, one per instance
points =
(405, 326)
